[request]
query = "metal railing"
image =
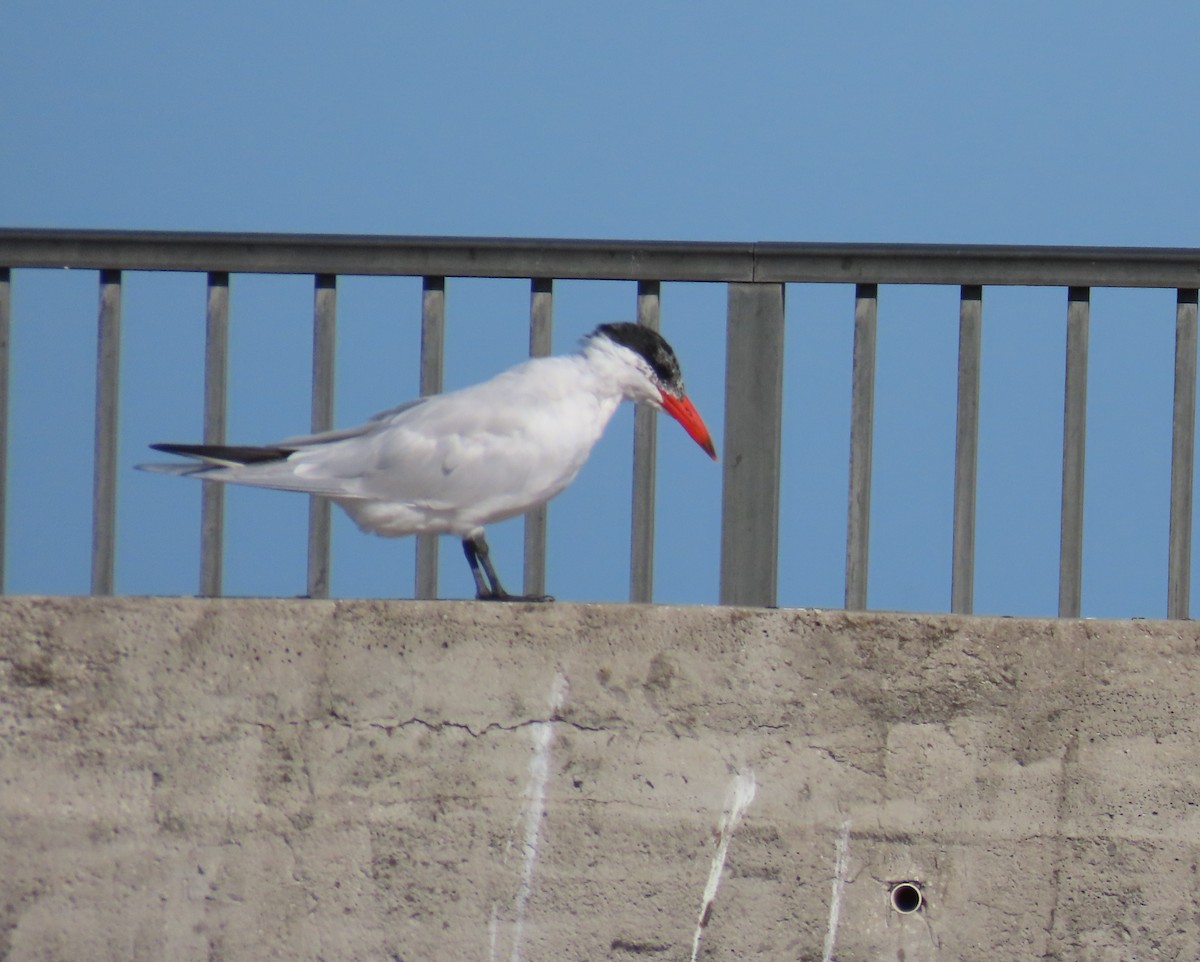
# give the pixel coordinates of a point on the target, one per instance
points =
(755, 275)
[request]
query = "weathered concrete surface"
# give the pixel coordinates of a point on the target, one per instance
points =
(254, 779)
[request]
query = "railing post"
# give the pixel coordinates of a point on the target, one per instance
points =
(541, 331)
(104, 491)
(433, 338)
(1183, 448)
(645, 444)
(862, 427)
(1070, 565)
(753, 417)
(5, 334)
(216, 379)
(324, 341)
(966, 449)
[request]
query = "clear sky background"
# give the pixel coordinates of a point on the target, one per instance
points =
(1042, 123)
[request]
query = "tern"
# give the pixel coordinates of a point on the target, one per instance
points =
(452, 463)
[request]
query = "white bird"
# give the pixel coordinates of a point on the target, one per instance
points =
(452, 463)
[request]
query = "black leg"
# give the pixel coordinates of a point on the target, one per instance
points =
(482, 590)
(485, 559)
(487, 582)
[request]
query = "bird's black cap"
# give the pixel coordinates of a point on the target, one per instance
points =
(652, 346)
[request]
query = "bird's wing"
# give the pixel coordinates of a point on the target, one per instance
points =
(491, 449)
(451, 452)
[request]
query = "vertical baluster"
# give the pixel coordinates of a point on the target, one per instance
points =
(966, 449)
(1070, 565)
(324, 345)
(216, 394)
(753, 416)
(645, 440)
(862, 426)
(1183, 447)
(5, 332)
(541, 331)
(104, 491)
(433, 325)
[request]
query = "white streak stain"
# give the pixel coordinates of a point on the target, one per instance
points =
(741, 794)
(535, 795)
(841, 866)
(493, 933)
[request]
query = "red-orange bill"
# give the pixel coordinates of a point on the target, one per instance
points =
(683, 411)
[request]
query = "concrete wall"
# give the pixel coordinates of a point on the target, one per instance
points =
(257, 779)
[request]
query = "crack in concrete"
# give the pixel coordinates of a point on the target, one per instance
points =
(841, 759)
(343, 721)
(434, 726)
(437, 726)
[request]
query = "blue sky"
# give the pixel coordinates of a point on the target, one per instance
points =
(1066, 123)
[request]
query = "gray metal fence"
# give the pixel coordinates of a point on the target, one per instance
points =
(755, 275)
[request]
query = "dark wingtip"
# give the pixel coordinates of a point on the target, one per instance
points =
(236, 454)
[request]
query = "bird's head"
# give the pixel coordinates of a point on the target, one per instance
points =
(663, 383)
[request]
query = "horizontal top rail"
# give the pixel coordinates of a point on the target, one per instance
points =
(976, 264)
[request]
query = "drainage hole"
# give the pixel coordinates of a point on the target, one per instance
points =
(907, 897)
